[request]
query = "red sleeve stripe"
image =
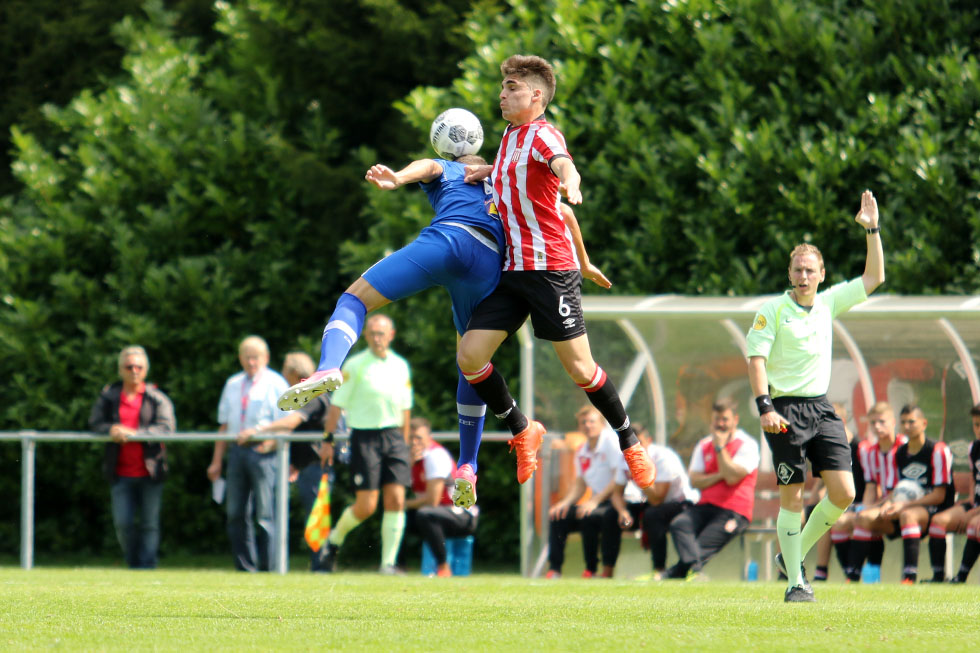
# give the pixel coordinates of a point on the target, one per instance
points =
(942, 464)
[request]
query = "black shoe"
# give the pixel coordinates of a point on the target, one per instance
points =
(782, 570)
(934, 579)
(799, 594)
(957, 580)
(328, 561)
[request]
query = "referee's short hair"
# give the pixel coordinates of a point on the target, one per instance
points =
(725, 403)
(975, 411)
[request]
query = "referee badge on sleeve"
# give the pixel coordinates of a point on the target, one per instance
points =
(760, 323)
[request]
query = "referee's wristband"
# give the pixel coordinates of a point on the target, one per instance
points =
(764, 403)
(328, 437)
(873, 230)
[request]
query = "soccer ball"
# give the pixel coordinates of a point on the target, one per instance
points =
(907, 490)
(456, 132)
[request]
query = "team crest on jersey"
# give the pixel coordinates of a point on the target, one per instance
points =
(914, 471)
(516, 156)
(784, 472)
(760, 323)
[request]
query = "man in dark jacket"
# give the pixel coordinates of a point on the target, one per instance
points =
(135, 470)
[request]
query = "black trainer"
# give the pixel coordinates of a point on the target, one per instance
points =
(934, 579)
(328, 561)
(799, 594)
(782, 569)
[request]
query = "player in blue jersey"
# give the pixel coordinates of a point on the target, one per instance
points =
(461, 251)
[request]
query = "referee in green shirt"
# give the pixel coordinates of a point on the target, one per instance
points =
(377, 399)
(789, 351)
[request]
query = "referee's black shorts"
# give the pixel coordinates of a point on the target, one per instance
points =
(815, 432)
(379, 457)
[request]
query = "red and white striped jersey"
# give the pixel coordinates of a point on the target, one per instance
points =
(525, 191)
(882, 469)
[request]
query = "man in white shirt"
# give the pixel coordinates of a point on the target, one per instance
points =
(654, 507)
(595, 468)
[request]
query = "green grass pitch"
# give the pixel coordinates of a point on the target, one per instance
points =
(192, 610)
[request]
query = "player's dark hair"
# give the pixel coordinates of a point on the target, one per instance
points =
(534, 70)
(975, 411)
(725, 403)
(471, 160)
(908, 409)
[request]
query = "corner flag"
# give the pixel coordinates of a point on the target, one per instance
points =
(318, 523)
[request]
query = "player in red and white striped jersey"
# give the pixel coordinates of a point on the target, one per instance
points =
(541, 275)
(880, 475)
(926, 462)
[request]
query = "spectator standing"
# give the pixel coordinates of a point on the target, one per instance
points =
(790, 350)
(724, 467)
(247, 403)
(434, 515)
(377, 398)
(135, 470)
(308, 461)
(596, 462)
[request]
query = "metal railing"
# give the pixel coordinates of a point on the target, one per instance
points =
(30, 439)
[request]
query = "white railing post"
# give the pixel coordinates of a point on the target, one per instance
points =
(282, 507)
(27, 446)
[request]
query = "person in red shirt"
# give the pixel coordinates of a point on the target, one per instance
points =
(724, 467)
(541, 276)
(135, 469)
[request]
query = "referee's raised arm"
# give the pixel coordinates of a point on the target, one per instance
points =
(874, 267)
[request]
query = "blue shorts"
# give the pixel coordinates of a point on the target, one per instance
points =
(445, 256)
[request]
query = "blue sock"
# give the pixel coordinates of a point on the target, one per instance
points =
(341, 332)
(472, 412)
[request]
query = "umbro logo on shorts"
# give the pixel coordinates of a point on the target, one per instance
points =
(569, 323)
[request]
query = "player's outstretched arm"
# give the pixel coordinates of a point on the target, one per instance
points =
(385, 178)
(874, 266)
(589, 271)
(567, 173)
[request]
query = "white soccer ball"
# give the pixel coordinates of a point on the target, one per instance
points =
(456, 132)
(907, 490)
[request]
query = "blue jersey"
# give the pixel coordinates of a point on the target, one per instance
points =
(456, 201)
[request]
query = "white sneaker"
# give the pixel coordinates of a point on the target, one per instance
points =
(303, 392)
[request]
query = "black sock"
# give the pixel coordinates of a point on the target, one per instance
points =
(607, 401)
(911, 548)
(970, 553)
(843, 551)
(821, 573)
(876, 551)
(857, 555)
(494, 393)
(937, 556)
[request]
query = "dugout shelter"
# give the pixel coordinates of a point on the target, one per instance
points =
(672, 356)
